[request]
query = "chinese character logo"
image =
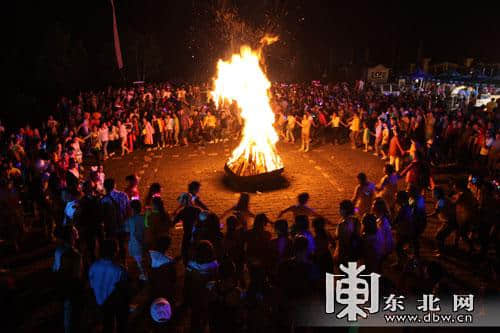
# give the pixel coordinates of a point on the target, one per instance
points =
(463, 302)
(353, 291)
(429, 302)
(394, 303)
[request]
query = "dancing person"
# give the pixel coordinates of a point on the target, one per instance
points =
(88, 219)
(372, 250)
(201, 269)
(233, 246)
(336, 130)
(163, 274)
(194, 190)
(225, 300)
(385, 141)
(115, 208)
(301, 208)
(363, 194)
(323, 242)
(384, 228)
(387, 188)
(418, 173)
(257, 240)
(445, 213)
(348, 234)
(466, 209)
(378, 138)
(241, 211)
(298, 277)
(281, 246)
(188, 216)
(366, 134)
(157, 222)
(405, 227)
(305, 134)
(148, 132)
(104, 138)
(69, 268)
(123, 133)
(291, 121)
(132, 188)
(154, 191)
(134, 225)
(354, 126)
(108, 282)
(395, 150)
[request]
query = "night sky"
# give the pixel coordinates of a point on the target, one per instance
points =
(67, 45)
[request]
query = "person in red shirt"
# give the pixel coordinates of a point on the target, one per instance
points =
(395, 150)
(132, 188)
(323, 123)
(28, 131)
(418, 174)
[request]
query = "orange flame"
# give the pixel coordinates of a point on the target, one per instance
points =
(268, 39)
(242, 79)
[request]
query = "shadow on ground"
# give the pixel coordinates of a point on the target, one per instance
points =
(268, 184)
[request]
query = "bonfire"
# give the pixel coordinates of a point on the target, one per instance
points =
(242, 79)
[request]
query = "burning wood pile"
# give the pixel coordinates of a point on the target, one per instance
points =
(253, 162)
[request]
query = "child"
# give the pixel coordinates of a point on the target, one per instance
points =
(366, 137)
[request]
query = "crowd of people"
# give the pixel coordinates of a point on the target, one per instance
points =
(250, 274)
(243, 264)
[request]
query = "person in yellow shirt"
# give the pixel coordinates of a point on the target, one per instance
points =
(13, 172)
(335, 122)
(290, 127)
(209, 124)
(159, 129)
(355, 129)
(492, 104)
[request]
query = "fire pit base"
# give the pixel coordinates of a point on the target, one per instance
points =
(262, 182)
